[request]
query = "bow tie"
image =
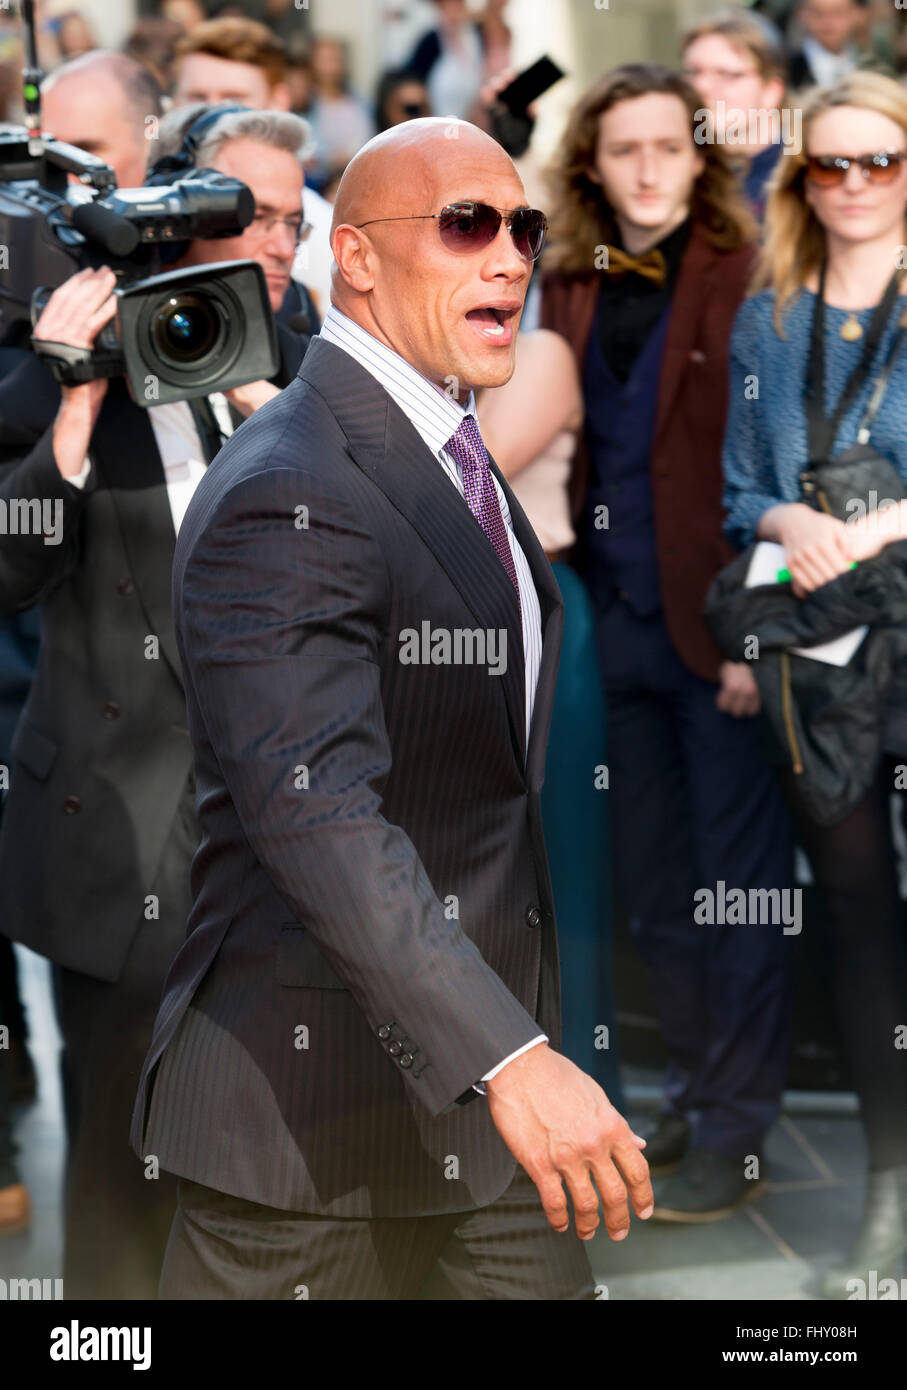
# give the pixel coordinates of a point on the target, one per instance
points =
(651, 265)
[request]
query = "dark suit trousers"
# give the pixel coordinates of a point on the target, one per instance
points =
(694, 801)
(117, 1220)
(224, 1247)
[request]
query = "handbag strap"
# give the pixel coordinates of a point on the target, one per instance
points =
(822, 428)
(881, 385)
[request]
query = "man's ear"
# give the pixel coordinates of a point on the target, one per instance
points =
(355, 257)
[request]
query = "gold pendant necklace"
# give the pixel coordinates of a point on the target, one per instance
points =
(851, 329)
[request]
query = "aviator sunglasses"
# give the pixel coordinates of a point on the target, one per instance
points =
(830, 170)
(467, 227)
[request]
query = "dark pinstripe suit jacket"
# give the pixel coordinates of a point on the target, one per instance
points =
(373, 927)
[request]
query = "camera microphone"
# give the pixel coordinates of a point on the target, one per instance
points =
(106, 228)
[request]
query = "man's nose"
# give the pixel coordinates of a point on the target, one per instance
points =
(647, 167)
(708, 88)
(506, 258)
(281, 240)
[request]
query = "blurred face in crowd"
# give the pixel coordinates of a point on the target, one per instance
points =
(406, 103)
(857, 210)
(75, 36)
(452, 13)
(328, 62)
(451, 315)
(832, 23)
(202, 77)
(647, 164)
(92, 112)
(188, 13)
(724, 73)
(275, 178)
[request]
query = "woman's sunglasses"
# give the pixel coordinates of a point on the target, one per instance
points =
(830, 170)
(468, 227)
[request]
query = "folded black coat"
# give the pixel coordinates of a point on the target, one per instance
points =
(827, 722)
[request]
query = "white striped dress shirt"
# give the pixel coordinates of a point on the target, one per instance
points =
(436, 416)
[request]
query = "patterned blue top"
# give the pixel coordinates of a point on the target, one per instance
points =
(765, 446)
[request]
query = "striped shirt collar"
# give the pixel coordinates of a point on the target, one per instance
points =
(431, 411)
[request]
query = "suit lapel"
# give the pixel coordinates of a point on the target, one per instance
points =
(134, 477)
(687, 309)
(390, 451)
(552, 617)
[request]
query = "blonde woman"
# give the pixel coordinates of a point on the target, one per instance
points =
(835, 240)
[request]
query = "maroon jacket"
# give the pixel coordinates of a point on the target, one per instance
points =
(687, 481)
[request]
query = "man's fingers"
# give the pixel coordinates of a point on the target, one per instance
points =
(554, 1201)
(585, 1202)
(101, 316)
(69, 307)
(613, 1193)
(633, 1168)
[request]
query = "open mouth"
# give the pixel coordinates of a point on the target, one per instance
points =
(494, 322)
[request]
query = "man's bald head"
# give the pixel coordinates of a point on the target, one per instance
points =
(407, 162)
(429, 301)
(101, 102)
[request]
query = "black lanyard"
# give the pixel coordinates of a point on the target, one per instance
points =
(822, 430)
(209, 431)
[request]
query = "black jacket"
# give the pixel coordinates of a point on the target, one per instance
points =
(101, 754)
(831, 722)
(396, 905)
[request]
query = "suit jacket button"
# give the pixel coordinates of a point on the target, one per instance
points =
(71, 804)
(125, 586)
(110, 709)
(384, 1032)
(533, 917)
(395, 1049)
(406, 1060)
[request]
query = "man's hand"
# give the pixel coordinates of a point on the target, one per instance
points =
(249, 398)
(559, 1125)
(75, 314)
(739, 693)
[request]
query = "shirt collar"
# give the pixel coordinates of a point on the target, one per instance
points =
(432, 412)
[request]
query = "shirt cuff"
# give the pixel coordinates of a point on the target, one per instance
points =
(81, 478)
(480, 1085)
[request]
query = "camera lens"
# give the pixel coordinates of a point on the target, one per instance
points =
(186, 328)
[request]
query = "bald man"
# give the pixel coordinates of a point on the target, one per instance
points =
(102, 103)
(355, 1071)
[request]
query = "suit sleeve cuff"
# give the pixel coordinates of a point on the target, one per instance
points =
(480, 1085)
(81, 478)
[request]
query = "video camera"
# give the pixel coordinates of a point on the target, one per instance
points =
(177, 333)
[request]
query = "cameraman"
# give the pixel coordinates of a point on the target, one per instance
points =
(99, 827)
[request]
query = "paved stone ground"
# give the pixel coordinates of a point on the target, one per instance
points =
(807, 1211)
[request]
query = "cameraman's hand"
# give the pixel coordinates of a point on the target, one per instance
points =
(75, 315)
(249, 398)
(559, 1124)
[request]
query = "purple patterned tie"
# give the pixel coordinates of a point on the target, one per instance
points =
(469, 452)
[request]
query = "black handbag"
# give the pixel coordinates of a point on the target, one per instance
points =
(858, 480)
